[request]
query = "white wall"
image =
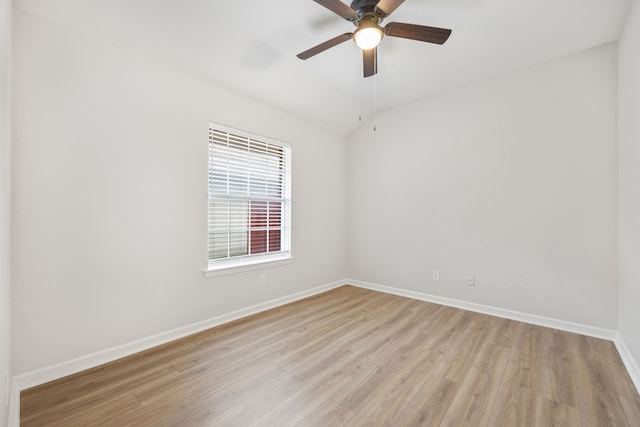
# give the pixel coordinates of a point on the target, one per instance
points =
(629, 187)
(5, 203)
(513, 180)
(110, 166)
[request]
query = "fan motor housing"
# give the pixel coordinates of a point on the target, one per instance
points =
(364, 6)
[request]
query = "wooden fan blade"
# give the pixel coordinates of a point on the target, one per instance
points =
(370, 60)
(385, 8)
(417, 32)
(324, 46)
(339, 8)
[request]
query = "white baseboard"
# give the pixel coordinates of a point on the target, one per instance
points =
(14, 406)
(562, 325)
(628, 360)
(49, 373)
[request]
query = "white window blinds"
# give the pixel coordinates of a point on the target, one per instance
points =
(249, 196)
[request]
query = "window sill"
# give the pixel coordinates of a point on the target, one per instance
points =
(239, 267)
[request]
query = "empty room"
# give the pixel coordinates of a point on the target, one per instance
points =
(320, 213)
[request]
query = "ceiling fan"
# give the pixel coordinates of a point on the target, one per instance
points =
(367, 15)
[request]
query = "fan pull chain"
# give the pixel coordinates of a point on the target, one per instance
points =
(375, 101)
(360, 96)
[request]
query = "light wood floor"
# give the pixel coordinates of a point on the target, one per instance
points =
(353, 357)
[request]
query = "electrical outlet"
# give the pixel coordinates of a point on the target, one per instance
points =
(471, 281)
(436, 275)
(263, 280)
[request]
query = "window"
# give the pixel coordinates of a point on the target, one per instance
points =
(249, 199)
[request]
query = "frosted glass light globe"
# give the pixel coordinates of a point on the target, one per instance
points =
(367, 37)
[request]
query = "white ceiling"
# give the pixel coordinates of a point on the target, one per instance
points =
(250, 46)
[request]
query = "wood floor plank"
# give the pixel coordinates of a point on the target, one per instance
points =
(352, 357)
(433, 399)
(598, 401)
(307, 400)
(559, 385)
(514, 409)
(258, 401)
(386, 391)
(477, 396)
(552, 413)
(330, 413)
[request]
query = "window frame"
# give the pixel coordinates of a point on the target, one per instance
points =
(235, 264)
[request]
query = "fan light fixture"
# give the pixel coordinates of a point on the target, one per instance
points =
(367, 15)
(368, 37)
